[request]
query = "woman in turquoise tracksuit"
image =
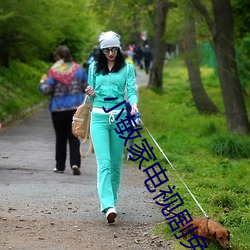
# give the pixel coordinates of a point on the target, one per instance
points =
(109, 77)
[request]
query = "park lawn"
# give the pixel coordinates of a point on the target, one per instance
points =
(220, 183)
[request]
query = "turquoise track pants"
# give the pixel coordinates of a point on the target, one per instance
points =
(108, 148)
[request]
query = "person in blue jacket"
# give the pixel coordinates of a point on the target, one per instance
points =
(65, 83)
(108, 78)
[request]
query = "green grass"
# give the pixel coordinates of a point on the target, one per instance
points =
(214, 164)
(19, 88)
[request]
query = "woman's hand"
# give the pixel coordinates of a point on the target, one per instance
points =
(43, 79)
(134, 109)
(90, 91)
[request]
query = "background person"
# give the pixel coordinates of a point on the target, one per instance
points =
(92, 57)
(110, 78)
(148, 56)
(65, 83)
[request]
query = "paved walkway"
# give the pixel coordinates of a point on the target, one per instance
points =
(27, 160)
(26, 163)
(141, 78)
(30, 192)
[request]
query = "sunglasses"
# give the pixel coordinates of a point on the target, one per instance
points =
(106, 51)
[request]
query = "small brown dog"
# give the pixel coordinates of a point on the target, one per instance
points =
(210, 230)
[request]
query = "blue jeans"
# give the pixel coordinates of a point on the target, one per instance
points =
(108, 148)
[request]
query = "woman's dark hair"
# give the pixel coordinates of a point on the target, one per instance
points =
(102, 67)
(63, 52)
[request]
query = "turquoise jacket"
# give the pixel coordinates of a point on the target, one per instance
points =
(115, 84)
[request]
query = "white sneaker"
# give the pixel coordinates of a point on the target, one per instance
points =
(58, 171)
(128, 156)
(111, 214)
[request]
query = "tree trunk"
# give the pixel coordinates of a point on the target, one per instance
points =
(235, 109)
(223, 38)
(159, 46)
(201, 99)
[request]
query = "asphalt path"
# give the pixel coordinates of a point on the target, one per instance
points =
(30, 190)
(26, 164)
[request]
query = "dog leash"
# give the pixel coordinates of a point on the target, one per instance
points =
(172, 166)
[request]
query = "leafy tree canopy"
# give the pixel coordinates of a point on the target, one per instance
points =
(33, 32)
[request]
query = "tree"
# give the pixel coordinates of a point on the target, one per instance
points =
(201, 99)
(159, 44)
(28, 33)
(23, 33)
(223, 38)
(242, 33)
(127, 17)
(241, 17)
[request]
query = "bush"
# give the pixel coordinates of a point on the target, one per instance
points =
(231, 146)
(224, 200)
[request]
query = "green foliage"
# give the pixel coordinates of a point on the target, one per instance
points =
(128, 18)
(174, 25)
(241, 17)
(243, 59)
(219, 183)
(223, 200)
(28, 33)
(210, 129)
(231, 146)
(19, 87)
